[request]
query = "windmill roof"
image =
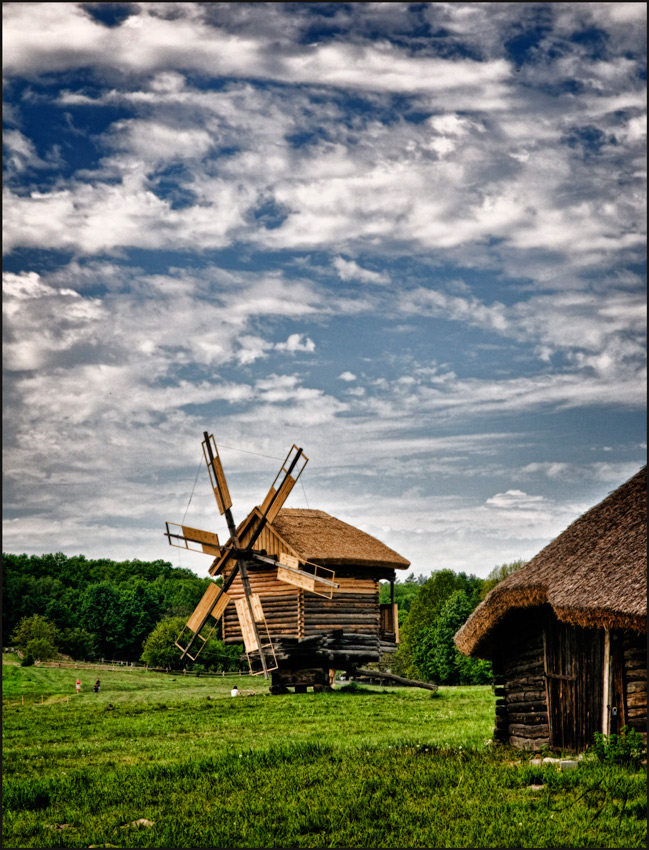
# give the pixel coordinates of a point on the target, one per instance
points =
(594, 574)
(318, 536)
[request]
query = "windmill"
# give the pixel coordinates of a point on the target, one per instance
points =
(240, 549)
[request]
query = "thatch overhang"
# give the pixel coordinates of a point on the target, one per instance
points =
(320, 538)
(594, 575)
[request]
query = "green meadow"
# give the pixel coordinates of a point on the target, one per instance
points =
(159, 760)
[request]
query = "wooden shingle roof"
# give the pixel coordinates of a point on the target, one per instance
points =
(593, 575)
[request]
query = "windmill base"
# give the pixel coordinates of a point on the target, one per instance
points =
(312, 677)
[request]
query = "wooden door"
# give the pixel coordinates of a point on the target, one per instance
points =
(574, 683)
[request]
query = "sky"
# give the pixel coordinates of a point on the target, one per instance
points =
(408, 238)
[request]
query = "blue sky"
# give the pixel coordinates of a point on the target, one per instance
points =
(408, 237)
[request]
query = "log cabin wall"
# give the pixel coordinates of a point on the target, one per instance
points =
(634, 648)
(354, 607)
(518, 665)
(278, 599)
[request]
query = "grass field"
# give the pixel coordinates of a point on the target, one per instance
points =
(370, 767)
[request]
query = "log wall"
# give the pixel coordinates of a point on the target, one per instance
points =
(521, 706)
(301, 624)
(634, 647)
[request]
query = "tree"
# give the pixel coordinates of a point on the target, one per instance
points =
(498, 574)
(425, 609)
(102, 614)
(36, 636)
(437, 657)
(160, 648)
(79, 643)
(141, 610)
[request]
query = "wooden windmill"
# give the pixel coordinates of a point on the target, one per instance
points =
(240, 549)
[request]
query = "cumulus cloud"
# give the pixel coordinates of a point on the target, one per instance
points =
(350, 270)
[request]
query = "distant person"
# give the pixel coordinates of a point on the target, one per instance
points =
(78, 686)
(234, 692)
(97, 686)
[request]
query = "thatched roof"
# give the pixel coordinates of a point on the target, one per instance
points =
(593, 575)
(322, 538)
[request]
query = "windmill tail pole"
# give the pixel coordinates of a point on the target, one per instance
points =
(398, 680)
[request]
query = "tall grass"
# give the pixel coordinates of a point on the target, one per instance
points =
(366, 768)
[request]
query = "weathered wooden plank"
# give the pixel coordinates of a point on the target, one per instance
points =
(245, 622)
(207, 605)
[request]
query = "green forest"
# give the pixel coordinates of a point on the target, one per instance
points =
(133, 611)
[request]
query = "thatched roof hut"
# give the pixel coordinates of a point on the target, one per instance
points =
(594, 575)
(566, 632)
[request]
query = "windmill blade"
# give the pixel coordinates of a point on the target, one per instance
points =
(217, 476)
(289, 473)
(213, 603)
(183, 536)
(251, 617)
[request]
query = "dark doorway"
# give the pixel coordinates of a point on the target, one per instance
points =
(574, 680)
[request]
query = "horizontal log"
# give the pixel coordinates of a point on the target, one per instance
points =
(525, 696)
(399, 680)
(639, 711)
(524, 743)
(525, 683)
(636, 687)
(341, 616)
(354, 653)
(531, 707)
(526, 719)
(524, 731)
(361, 628)
(636, 699)
(637, 675)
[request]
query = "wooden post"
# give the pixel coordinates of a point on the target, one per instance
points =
(606, 685)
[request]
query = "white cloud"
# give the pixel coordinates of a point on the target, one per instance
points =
(515, 499)
(347, 376)
(350, 270)
(295, 343)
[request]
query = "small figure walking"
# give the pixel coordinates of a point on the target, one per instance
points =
(234, 692)
(78, 686)
(97, 686)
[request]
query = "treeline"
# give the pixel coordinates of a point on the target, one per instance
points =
(430, 613)
(134, 610)
(98, 608)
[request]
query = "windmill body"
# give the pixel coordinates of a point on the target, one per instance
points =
(300, 588)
